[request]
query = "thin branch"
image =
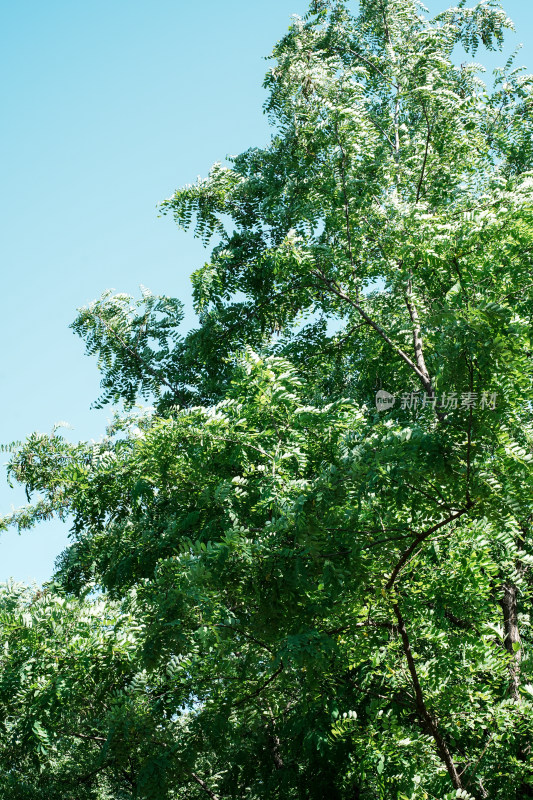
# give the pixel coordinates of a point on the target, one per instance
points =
(85, 736)
(206, 434)
(261, 688)
(397, 109)
(372, 66)
(476, 765)
(349, 333)
(383, 132)
(418, 344)
(246, 636)
(460, 623)
(204, 786)
(346, 203)
(426, 153)
(420, 491)
(385, 23)
(457, 621)
(426, 383)
(388, 539)
(406, 555)
(469, 441)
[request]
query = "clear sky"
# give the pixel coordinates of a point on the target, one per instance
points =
(107, 108)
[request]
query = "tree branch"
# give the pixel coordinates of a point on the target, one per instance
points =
(418, 344)
(423, 710)
(426, 153)
(346, 204)
(204, 786)
(371, 65)
(261, 688)
(423, 376)
(406, 555)
(246, 635)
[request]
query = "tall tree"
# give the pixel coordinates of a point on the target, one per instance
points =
(336, 596)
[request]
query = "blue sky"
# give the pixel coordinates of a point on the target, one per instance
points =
(107, 108)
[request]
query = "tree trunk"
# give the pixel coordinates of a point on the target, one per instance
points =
(512, 639)
(513, 645)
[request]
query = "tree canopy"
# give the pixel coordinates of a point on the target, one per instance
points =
(277, 587)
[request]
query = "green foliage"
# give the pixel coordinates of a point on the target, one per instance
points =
(273, 589)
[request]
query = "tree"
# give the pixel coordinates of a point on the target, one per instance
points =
(328, 599)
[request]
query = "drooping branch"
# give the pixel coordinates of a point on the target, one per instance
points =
(248, 636)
